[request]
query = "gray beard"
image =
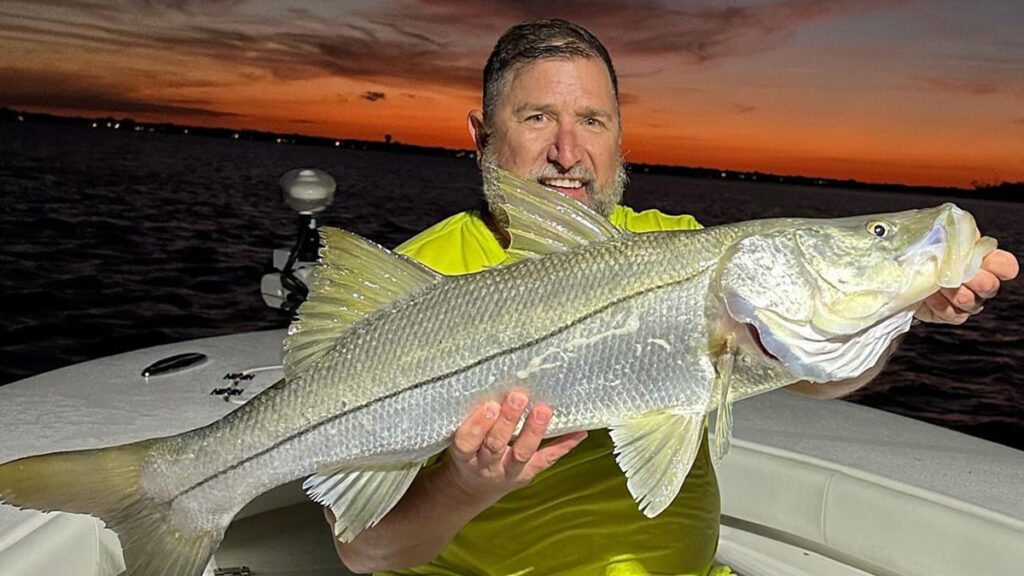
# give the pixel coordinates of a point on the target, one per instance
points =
(599, 199)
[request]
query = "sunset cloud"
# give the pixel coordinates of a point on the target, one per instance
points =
(696, 31)
(367, 51)
(765, 85)
(214, 8)
(85, 93)
(961, 87)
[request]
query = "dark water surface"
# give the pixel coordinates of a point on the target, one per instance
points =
(113, 241)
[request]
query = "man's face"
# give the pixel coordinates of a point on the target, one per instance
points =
(558, 123)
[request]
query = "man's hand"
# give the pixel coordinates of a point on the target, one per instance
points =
(481, 466)
(956, 305)
(485, 462)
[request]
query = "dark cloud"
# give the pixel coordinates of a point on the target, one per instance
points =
(373, 96)
(650, 27)
(960, 86)
(425, 39)
(215, 8)
(410, 42)
(86, 93)
(627, 98)
(354, 51)
(743, 108)
(116, 10)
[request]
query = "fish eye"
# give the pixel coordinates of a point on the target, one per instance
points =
(880, 229)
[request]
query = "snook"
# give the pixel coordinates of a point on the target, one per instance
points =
(644, 334)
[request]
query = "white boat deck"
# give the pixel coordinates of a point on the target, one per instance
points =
(811, 487)
(869, 490)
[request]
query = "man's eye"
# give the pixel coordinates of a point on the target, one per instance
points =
(535, 118)
(593, 122)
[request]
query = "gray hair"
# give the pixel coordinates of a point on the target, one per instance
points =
(537, 40)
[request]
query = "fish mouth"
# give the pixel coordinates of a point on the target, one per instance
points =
(934, 246)
(810, 354)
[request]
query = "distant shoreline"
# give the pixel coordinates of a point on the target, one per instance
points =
(1005, 191)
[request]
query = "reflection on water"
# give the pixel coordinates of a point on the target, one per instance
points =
(115, 241)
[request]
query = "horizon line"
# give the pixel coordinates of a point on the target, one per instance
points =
(7, 113)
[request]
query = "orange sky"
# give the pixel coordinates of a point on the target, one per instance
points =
(918, 92)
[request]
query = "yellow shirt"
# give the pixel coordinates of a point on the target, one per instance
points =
(577, 517)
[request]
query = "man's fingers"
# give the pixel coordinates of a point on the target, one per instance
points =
(496, 441)
(956, 305)
(1002, 264)
(963, 299)
(529, 439)
(553, 451)
(470, 435)
(938, 309)
(985, 285)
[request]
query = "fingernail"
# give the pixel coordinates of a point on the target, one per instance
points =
(491, 410)
(518, 401)
(541, 417)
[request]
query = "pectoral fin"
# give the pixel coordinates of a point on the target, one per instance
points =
(656, 451)
(360, 498)
(723, 420)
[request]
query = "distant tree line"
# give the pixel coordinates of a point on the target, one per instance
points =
(1010, 191)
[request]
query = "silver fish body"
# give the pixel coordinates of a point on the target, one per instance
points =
(601, 333)
(642, 333)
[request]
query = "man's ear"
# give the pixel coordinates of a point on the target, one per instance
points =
(478, 130)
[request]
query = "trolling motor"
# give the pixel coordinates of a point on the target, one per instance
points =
(308, 192)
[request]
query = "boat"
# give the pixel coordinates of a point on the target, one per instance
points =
(810, 487)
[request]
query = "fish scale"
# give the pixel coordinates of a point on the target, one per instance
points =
(644, 334)
(357, 361)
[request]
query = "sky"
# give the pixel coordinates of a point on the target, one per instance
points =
(923, 92)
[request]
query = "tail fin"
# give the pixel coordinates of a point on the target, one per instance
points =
(105, 483)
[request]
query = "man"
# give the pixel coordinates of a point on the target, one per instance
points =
(498, 504)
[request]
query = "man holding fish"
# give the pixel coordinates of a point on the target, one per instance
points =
(640, 334)
(496, 502)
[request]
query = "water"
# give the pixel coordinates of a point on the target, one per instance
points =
(115, 240)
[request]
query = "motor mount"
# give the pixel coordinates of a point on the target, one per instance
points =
(308, 192)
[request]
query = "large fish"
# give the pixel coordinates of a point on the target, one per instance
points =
(642, 333)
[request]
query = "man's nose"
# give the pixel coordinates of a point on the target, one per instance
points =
(565, 150)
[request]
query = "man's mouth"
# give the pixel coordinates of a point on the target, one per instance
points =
(564, 183)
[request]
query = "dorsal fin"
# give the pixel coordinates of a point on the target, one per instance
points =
(355, 277)
(543, 221)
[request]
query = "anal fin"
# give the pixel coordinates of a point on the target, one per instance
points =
(359, 498)
(656, 451)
